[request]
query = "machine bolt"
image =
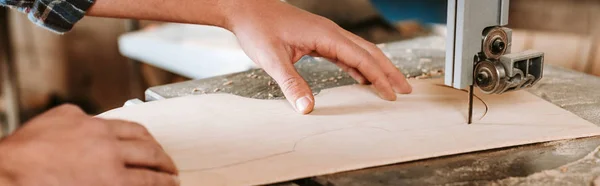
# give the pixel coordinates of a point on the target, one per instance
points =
(498, 46)
(483, 78)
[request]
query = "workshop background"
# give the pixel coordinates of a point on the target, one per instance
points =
(85, 67)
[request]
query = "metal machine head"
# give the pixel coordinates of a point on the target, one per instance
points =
(478, 51)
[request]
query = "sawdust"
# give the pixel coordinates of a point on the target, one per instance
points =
(195, 90)
(581, 172)
(564, 148)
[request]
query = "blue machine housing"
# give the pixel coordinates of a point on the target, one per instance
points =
(426, 11)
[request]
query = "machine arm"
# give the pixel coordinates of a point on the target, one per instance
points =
(478, 51)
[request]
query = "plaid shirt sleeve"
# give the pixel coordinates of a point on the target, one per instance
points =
(55, 15)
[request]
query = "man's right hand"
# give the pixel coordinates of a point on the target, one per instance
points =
(66, 147)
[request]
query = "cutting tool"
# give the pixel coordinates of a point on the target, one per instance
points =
(478, 51)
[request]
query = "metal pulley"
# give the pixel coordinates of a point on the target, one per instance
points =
(497, 71)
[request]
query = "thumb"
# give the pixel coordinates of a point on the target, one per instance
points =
(279, 66)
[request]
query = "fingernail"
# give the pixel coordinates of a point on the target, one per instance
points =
(407, 87)
(302, 104)
(176, 179)
(404, 88)
(391, 97)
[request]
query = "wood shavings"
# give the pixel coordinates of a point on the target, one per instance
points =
(564, 169)
(433, 73)
(216, 90)
(425, 60)
(339, 77)
(270, 95)
(320, 59)
(253, 76)
(227, 83)
(423, 76)
(324, 80)
(198, 90)
(269, 83)
(331, 78)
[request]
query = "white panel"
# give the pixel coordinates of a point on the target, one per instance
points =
(505, 6)
(472, 17)
(450, 39)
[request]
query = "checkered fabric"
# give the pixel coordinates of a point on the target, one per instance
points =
(56, 15)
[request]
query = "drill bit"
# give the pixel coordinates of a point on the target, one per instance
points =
(470, 116)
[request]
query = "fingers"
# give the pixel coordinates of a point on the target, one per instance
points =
(146, 154)
(396, 78)
(138, 148)
(145, 177)
(351, 71)
(344, 50)
(279, 66)
(57, 115)
(65, 110)
(146, 161)
(126, 130)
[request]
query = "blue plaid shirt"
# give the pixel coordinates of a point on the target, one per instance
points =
(56, 15)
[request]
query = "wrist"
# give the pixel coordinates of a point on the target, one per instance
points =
(236, 13)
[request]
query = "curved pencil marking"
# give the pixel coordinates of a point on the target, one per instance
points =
(484, 104)
(330, 131)
(277, 154)
(237, 163)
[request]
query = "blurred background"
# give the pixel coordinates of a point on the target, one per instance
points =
(88, 67)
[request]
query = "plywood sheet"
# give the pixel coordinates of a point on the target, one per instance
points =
(230, 140)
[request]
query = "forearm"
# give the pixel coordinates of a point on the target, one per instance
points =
(206, 12)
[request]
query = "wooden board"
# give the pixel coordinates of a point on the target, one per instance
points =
(229, 140)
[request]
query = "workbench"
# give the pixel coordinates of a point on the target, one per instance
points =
(568, 162)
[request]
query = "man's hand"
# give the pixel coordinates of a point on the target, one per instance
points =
(276, 35)
(66, 147)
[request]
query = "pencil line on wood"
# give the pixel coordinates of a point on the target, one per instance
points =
(277, 154)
